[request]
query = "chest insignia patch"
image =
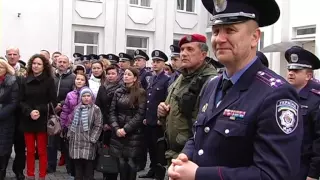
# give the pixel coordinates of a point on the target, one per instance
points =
(234, 114)
(287, 115)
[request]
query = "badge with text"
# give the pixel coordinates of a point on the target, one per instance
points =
(234, 114)
(287, 115)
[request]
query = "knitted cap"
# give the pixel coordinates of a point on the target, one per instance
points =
(85, 90)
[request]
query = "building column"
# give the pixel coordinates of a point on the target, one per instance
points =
(317, 45)
(67, 36)
(110, 29)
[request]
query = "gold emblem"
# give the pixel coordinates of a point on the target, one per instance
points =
(220, 5)
(204, 108)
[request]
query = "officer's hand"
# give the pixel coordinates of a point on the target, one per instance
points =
(159, 123)
(163, 109)
(187, 170)
(309, 178)
(183, 157)
(145, 122)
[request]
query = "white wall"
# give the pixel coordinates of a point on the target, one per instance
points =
(36, 28)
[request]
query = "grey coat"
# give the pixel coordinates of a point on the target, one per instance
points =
(83, 144)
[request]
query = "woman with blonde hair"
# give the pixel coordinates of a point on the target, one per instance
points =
(9, 94)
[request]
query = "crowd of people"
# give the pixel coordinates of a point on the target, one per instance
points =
(200, 118)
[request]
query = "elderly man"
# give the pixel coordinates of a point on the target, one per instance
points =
(13, 56)
(250, 125)
(180, 108)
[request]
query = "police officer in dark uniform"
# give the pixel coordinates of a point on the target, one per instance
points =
(87, 64)
(300, 73)
(176, 62)
(156, 93)
(249, 125)
(77, 58)
(124, 62)
(114, 59)
(140, 58)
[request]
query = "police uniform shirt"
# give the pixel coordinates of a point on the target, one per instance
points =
(156, 93)
(144, 77)
(233, 79)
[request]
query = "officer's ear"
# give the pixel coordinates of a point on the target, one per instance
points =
(255, 33)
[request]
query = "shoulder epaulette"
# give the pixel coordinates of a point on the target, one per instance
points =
(316, 91)
(315, 80)
(269, 79)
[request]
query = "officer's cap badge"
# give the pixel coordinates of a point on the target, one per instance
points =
(156, 53)
(189, 38)
(85, 58)
(110, 56)
(121, 55)
(294, 58)
(287, 115)
(220, 5)
(137, 51)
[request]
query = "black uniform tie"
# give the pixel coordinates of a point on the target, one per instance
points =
(226, 85)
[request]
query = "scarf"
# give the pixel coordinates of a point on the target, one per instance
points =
(81, 115)
(96, 79)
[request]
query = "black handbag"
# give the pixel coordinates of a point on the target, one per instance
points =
(106, 163)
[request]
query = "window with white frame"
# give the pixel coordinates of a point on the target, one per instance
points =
(176, 42)
(86, 42)
(186, 5)
(145, 3)
(136, 42)
(301, 32)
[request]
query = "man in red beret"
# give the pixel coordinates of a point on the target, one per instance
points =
(179, 111)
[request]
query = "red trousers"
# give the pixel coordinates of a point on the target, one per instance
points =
(41, 140)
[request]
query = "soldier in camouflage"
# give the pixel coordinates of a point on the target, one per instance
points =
(180, 108)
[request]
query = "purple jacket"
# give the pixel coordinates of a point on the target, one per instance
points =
(70, 103)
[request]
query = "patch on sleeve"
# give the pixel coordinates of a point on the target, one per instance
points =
(316, 91)
(287, 115)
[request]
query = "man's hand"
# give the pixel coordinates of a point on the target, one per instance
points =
(159, 123)
(58, 108)
(309, 178)
(163, 109)
(121, 132)
(35, 114)
(179, 162)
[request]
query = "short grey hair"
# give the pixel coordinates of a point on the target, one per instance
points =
(203, 47)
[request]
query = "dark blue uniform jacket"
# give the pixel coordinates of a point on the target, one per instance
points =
(254, 134)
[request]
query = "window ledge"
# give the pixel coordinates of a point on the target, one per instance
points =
(138, 6)
(186, 12)
(94, 1)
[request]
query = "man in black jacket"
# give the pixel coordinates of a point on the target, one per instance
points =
(64, 81)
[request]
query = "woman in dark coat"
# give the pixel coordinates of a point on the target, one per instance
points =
(127, 112)
(9, 94)
(37, 92)
(104, 99)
